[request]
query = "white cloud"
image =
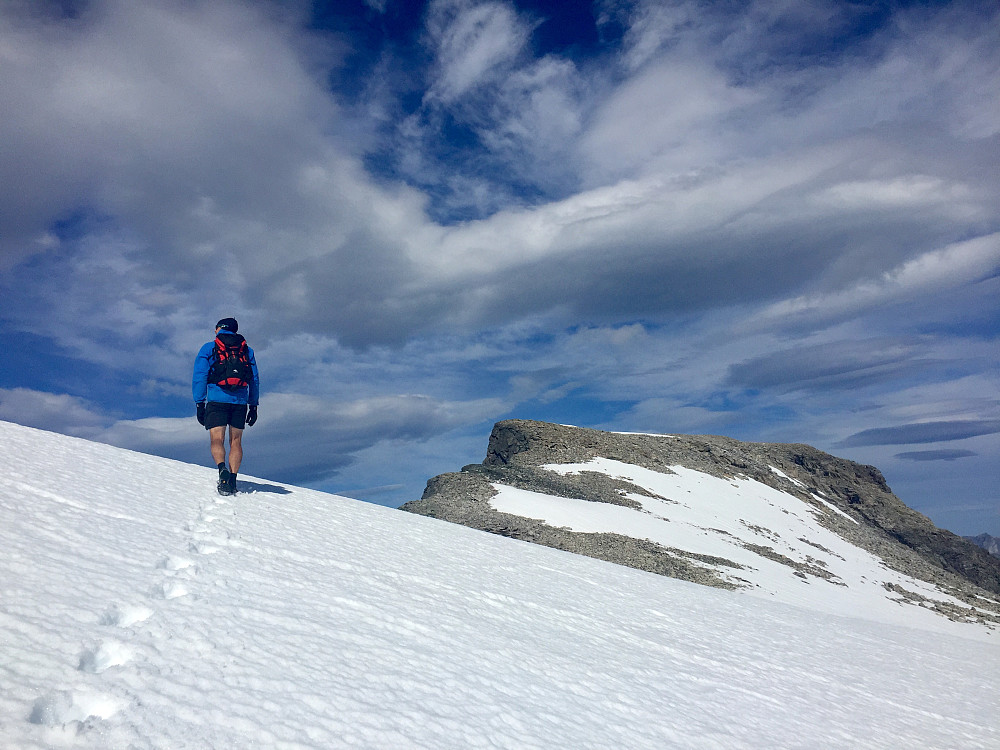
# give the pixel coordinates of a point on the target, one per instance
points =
(473, 42)
(536, 118)
(134, 104)
(953, 266)
(51, 411)
(900, 191)
(653, 26)
(668, 118)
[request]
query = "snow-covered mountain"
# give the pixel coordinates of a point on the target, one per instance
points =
(785, 522)
(141, 610)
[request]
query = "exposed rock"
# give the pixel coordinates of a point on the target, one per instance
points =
(869, 515)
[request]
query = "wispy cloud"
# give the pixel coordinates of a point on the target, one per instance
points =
(955, 266)
(52, 411)
(938, 455)
(830, 365)
(924, 432)
(474, 43)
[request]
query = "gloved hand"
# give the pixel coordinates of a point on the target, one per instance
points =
(251, 416)
(201, 413)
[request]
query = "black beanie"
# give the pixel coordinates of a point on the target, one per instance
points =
(228, 324)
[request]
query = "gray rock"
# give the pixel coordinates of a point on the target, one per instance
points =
(903, 538)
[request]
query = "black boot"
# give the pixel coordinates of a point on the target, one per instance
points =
(232, 483)
(224, 481)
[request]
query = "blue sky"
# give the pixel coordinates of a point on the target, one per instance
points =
(773, 221)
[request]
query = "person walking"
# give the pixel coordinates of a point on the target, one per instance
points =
(226, 390)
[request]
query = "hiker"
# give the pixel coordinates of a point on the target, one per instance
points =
(226, 390)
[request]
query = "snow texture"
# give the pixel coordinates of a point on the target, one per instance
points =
(139, 609)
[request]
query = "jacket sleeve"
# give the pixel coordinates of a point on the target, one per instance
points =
(254, 397)
(199, 380)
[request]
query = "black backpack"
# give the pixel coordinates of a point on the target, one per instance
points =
(230, 362)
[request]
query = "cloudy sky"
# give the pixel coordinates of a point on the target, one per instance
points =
(776, 221)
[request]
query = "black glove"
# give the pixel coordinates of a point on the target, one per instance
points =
(201, 413)
(251, 416)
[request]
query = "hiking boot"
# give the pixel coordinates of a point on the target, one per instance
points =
(227, 482)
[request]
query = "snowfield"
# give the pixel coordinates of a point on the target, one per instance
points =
(139, 609)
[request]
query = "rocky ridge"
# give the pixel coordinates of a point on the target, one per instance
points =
(869, 515)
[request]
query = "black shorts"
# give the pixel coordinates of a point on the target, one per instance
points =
(220, 415)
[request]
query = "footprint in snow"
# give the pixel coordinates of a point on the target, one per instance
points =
(103, 656)
(169, 590)
(172, 564)
(69, 709)
(201, 524)
(124, 617)
(203, 548)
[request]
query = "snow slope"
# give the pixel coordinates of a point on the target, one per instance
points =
(736, 519)
(140, 610)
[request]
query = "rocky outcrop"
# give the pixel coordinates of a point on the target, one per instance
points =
(868, 514)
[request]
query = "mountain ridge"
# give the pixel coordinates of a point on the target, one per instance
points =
(848, 499)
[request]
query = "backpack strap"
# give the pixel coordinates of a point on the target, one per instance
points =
(226, 340)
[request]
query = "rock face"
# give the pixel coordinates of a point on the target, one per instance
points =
(848, 499)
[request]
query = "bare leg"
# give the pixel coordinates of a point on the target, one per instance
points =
(235, 449)
(217, 436)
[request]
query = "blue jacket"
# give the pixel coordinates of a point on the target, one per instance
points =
(202, 390)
